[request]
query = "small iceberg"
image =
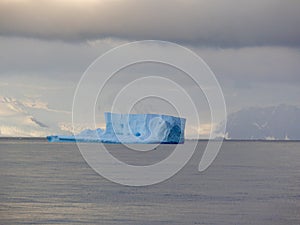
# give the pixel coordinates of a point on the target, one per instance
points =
(132, 129)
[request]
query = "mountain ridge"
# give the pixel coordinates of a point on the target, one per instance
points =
(265, 123)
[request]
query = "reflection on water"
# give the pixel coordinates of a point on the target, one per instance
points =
(248, 183)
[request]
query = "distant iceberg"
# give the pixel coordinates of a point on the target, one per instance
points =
(132, 128)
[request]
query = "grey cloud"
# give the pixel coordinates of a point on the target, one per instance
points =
(21, 56)
(62, 60)
(247, 66)
(227, 23)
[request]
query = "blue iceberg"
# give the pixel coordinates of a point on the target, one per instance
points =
(132, 129)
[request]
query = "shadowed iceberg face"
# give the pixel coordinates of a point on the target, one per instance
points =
(133, 128)
(143, 128)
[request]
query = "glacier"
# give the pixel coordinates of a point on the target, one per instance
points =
(132, 129)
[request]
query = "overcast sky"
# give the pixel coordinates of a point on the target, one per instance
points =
(253, 46)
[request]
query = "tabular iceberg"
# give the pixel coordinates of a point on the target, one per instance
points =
(132, 128)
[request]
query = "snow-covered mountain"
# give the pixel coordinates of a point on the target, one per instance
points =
(34, 118)
(27, 118)
(274, 123)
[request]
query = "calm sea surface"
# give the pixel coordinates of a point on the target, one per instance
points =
(248, 183)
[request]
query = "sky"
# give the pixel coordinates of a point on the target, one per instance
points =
(253, 48)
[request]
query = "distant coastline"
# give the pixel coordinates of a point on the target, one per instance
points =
(202, 140)
(23, 138)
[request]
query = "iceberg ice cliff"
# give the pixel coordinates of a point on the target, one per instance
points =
(132, 128)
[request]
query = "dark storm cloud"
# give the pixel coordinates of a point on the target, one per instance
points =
(227, 23)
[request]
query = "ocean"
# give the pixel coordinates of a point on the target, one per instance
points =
(250, 182)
